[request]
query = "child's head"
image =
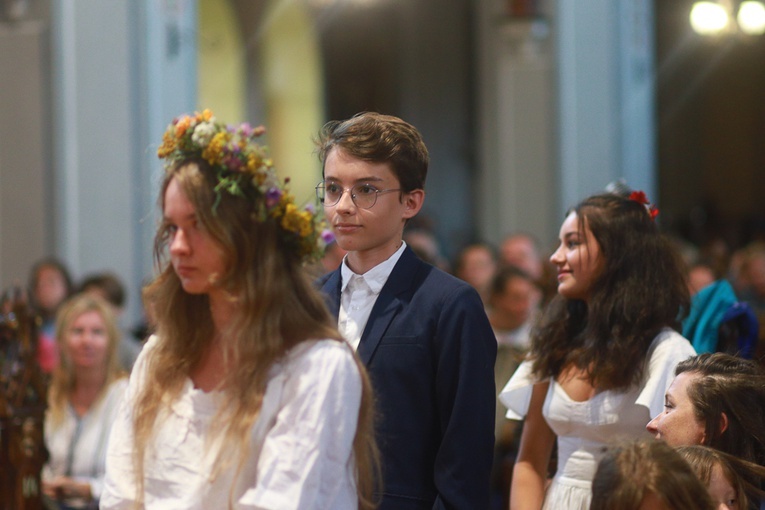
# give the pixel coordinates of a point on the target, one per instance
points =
(236, 199)
(715, 469)
(374, 169)
(379, 138)
(635, 474)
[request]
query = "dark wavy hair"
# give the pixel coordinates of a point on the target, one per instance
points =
(640, 290)
(733, 386)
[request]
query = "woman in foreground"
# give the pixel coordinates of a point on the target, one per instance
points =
(246, 397)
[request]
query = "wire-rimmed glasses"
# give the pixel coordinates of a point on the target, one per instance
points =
(363, 195)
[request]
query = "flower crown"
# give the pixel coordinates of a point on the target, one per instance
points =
(641, 198)
(241, 164)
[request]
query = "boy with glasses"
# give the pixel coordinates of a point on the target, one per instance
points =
(422, 333)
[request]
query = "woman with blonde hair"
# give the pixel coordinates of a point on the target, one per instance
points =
(83, 398)
(246, 397)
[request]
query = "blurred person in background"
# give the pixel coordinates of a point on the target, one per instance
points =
(108, 286)
(84, 395)
(646, 474)
(49, 285)
(476, 264)
(513, 306)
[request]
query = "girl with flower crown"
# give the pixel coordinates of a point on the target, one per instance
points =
(602, 354)
(246, 397)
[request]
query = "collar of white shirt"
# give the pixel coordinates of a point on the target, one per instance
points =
(375, 277)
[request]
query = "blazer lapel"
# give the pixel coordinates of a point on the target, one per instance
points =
(388, 304)
(385, 308)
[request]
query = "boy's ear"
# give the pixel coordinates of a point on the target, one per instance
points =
(413, 201)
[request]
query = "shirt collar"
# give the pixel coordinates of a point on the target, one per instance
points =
(375, 277)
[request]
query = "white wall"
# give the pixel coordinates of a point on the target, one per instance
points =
(516, 77)
(606, 96)
(121, 72)
(562, 116)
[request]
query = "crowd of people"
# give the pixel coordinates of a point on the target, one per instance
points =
(294, 359)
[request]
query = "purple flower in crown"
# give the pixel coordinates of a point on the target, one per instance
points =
(311, 209)
(327, 236)
(233, 162)
(273, 196)
(246, 130)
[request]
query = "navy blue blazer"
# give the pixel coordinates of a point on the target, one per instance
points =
(430, 352)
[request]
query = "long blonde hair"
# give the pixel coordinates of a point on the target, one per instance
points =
(277, 307)
(63, 379)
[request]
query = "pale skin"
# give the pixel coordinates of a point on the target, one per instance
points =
(678, 424)
(198, 261)
(722, 491)
(370, 236)
(578, 261)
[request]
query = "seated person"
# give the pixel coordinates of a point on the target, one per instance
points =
(728, 478)
(647, 474)
(49, 286)
(714, 400)
(84, 395)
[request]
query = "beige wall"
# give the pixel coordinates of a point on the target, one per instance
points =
(25, 203)
(221, 71)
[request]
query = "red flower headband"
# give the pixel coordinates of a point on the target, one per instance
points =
(640, 198)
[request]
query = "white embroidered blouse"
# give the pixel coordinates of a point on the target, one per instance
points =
(300, 446)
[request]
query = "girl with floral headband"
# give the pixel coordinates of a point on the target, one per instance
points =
(246, 397)
(602, 354)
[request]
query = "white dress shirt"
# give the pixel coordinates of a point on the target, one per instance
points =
(358, 294)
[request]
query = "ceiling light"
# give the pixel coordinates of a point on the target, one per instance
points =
(751, 18)
(709, 18)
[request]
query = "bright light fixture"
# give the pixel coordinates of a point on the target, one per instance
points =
(709, 18)
(751, 17)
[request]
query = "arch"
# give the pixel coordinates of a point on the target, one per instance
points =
(262, 63)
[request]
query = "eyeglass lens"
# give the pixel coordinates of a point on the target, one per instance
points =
(363, 195)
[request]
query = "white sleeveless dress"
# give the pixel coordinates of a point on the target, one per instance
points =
(584, 429)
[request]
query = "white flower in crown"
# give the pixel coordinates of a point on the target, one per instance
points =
(270, 182)
(203, 132)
